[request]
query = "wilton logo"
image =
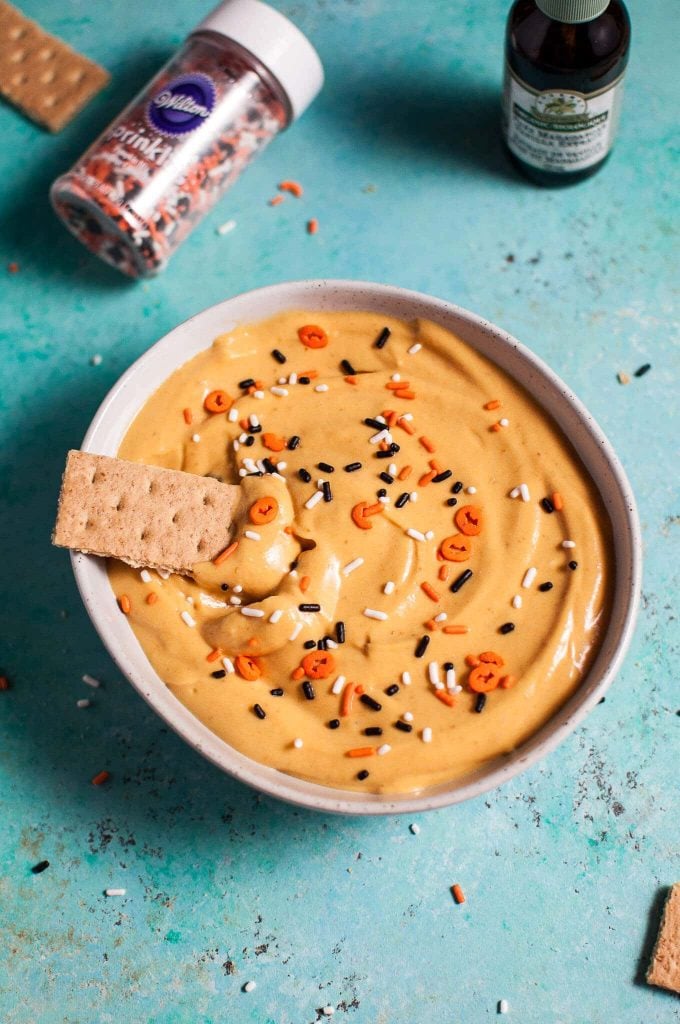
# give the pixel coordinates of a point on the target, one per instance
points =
(182, 105)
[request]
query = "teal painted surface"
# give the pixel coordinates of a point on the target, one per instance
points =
(564, 866)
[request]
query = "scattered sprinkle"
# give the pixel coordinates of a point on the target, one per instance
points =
(41, 866)
(470, 490)
(91, 681)
(252, 535)
(298, 743)
(225, 228)
(249, 986)
(196, 438)
(100, 778)
(389, 587)
(312, 226)
(253, 613)
(414, 829)
(96, 360)
(383, 338)
(259, 711)
(187, 619)
(622, 377)
(351, 566)
(275, 615)
(568, 544)
(383, 749)
(524, 491)
(328, 1011)
(415, 534)
(371, 613)
(314, 500)
(426, 735)
(83, 703)
(503, 1006)
(507, 627)
(517, 601)
(458, 894)
(115, 892)
(529, 577)
(642, 370)
(414, 349)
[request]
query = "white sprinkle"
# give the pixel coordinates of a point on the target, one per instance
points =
(338, 685)
(195, 438)
(415, 534)
(250, 465)
(413, 496)
(383, 749)
(371, 613)
(568, 543)
(328, 1011)
(529, 577)
(281, 466)
(382, 435)
(83, 703)
(408, 716)
(232, 415)
(503, 1006)
(282, 380)
(396, 377)
(321, 387)
(470, 490)
(91, 681)
(225, 228)
(187, 619)
(249, 986)
(261, 466)
(389, 587)
(164, 574)
(276, 615)
(235, 600)
(235, 445)
(293, 378)
(406, 678)
(331, 643)
(253, 613)
(145, 576)
(517, 601)
(427, 734)
(243, 437)
(380, 419)
(278, 476)
(351, 566)
(320, 483)
(243, 472)
(441, 617)
(253, 420)
(433, 673)
(95, 360)
(392, 469)
(384, 500)
(279, 392)
(314, 500)
(252, 535)
(238, 589)
(504, 422)
(258, 394)
(115, 892)
(298, 744)
(450, 678)
(524, 491)
(414, 348)
(515, 492)
(228, 665)
(406, 416)
(296, 631)
(414, 829)
(189, 599)
(429, 535)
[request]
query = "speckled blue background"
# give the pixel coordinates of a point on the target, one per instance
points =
(564, 868)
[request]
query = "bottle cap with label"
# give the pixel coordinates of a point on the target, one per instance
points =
(573, 12)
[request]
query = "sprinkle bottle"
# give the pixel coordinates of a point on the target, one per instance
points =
(565, 62)
(242, 76)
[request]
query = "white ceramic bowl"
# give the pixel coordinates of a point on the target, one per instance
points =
(133, 389)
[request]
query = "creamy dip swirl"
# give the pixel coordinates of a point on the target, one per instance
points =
(388, 585)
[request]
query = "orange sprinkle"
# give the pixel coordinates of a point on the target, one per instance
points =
(427, 478)
(224, 555)
(244, 423)
(351, 380)
(360, 752)
(304, 583)
(288, 530)
(443, 573)
(253, 642)
(391, 416)
(436, 466)
(456, 630)
(458, 894)
(312, 374)
(430, 591)
(405, 425)
(472, 660)
(427, 444)
(405, 394)
(298, 673)
(397, 385)
(188, 418)
(124, 604)
(445, 698)
(360, 689)
(251, 390)
(293, 187)
(151, 598)
(431, 625)
(274, 442)
(13, 268)
(495, 427)
(214, 654)
(4, 683)
(558, 501)
(347, 700)
(508, 681)
(405, 472)
(494, 404)
(100, 778)
(383, 446)
(276, 200)
(312, 226)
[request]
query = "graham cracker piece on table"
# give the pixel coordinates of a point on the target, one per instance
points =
(142, 515)
(664, 969)
(40, 74)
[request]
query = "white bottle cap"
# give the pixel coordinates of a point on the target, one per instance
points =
(275, 42)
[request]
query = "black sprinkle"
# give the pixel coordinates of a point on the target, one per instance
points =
(382, 493)
(448, 665)
(293, 443)
(255, 428)
(386, 478)
(547, 504)
(642, 370)
(402, 499)
(422, 646)
(269, 466)
(41, 866)
(218, 674)
(308, 644)
(373, 730)
(278, 692)
(394, 447)
(545, 587)
(278, 356)
(370, 702)
(294, 565)
(461, 581)
(440, 477)
(259, 473)
(480, 703)
(224, 586)
(383, 338)
(573, 565)
(457, 487)
(452, 501)
(376, 424)
(347, 367)
(326, 467)
(391, 690)
(340, 632)
(304, 380)
(384, 455)
(363, 774)
(309, 607)
(259, 711)
(334, 723)
(602, 700)
(322, 644)
(308, 690)
(248, 383)
(304, 475)
(404, 726)
(507, 627)
(249, 442)
(352, 467)
(327, 493)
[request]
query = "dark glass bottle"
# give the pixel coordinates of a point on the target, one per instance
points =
(565, 61)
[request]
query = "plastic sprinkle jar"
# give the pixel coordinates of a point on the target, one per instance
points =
(243, 75)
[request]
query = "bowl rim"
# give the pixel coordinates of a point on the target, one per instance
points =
(92, 579)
